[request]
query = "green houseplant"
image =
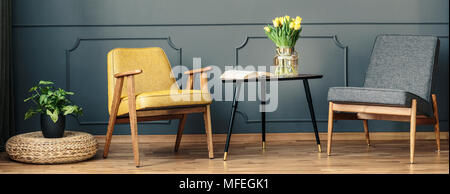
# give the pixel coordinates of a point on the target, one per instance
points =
(53, 106)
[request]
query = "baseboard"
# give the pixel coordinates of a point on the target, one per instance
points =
(255, 137)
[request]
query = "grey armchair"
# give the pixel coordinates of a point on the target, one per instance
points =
(397, 87)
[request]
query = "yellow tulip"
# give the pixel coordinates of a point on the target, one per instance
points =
(287, 17)
(276, 22)
(298, 20)
(281, 19)
(291, 25)
(267, 29)
(296, 26)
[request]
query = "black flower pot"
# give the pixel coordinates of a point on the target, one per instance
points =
(51, 129)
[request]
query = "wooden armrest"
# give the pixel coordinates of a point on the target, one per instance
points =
(205, 69)
(127, 73)
(203, 78)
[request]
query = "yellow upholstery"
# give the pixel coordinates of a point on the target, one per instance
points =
(155, 87)
(166, 99)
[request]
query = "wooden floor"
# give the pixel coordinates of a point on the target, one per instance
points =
(282, 155)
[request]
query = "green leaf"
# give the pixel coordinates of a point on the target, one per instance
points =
(32, 89)
(44, 90)
(30, 98)
(80, 111)
(69, 109)
(43, 99)
(29, 113)
(45, 82)
(53, 115)
(72, 109)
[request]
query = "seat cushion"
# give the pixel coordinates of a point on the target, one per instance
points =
(378, 96)
(166, 99)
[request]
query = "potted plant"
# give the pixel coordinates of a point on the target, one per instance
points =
(53, 107)
(285, 33)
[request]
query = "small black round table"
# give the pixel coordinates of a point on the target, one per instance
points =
(304, 77)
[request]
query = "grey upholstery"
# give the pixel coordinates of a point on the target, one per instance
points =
(379, 96)
(400, 69)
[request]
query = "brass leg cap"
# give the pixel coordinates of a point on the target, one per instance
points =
(225, 156)
(264, 145)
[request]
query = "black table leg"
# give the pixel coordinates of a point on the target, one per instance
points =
(233, 113)
(263, 112)
(311, 111)
(263, 129)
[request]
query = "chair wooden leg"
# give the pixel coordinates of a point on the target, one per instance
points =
(180, 132)
(133, 119)
(413, 130)
(366, 131)
(330, 127)
(436, 125)
(111, 123)
(113, 115)
(207, 119)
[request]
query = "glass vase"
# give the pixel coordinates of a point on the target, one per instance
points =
(286, 62)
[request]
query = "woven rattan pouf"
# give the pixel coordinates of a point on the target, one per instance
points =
(34, 148)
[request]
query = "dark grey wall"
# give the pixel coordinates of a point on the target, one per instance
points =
(66, 41)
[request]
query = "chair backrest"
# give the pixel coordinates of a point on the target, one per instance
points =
(404, 62)
(156, 70)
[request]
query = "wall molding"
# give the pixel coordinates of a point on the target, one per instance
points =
(335, 41)
(77, 43)
(219, 24)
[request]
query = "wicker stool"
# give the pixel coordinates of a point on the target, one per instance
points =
(34, 148)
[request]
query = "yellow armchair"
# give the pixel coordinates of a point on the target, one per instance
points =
(152, 93)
